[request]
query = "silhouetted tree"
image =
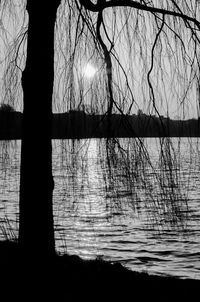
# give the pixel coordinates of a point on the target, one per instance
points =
(149, 41)
(36, 230)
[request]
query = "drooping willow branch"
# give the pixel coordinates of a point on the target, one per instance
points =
(108, 62)
(152, 96)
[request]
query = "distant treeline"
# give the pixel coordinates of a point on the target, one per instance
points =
(78, 124)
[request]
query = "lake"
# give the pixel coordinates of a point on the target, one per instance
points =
(131, 201)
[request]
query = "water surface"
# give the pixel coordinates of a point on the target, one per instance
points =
(123, 200)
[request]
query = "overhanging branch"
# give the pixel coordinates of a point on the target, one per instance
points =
(101, 5)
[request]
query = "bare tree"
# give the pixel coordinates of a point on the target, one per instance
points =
(145, 52)
(36, 185)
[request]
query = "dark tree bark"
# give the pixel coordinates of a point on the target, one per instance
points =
(36, 230)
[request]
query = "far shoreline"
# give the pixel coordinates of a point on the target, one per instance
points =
(78, 124)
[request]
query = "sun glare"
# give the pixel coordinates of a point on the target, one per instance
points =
(89, 71)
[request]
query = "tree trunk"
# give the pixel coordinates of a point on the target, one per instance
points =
(36, 229)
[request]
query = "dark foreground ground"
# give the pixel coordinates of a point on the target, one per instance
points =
(68, 278)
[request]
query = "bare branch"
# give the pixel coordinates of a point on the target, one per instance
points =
(134, 4)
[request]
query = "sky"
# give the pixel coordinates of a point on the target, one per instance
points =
(82, 82)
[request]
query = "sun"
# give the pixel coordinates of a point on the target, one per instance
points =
(89, 71)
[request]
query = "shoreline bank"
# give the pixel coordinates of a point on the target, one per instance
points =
(72, 277)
